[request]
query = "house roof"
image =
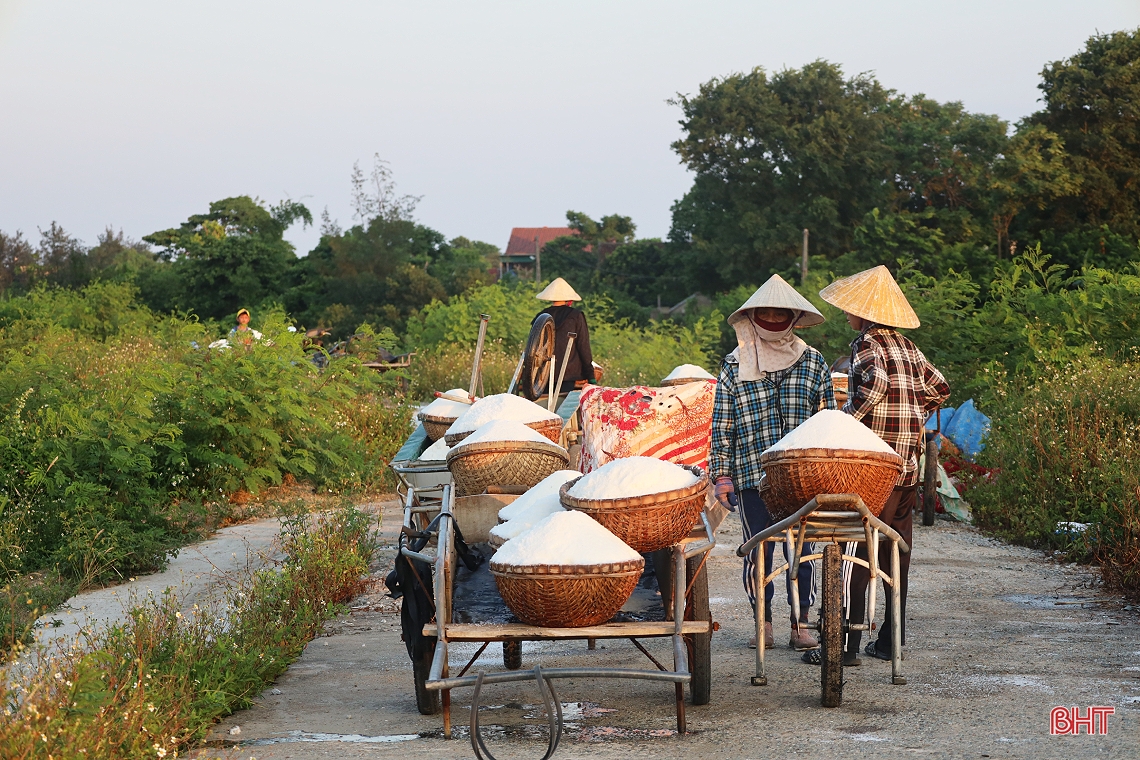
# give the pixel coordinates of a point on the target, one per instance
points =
(522, 239)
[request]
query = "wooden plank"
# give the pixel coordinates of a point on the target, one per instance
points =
(519, 631)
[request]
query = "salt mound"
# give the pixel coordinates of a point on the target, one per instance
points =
(686, 371)
(546, 487)
(565, 538)
(437, 452)
(632, 476)
(501, 406)
(443, 407)
(504, 430)
(832, 429)
(529, 517)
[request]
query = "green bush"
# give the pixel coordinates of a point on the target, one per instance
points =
(1065, 448)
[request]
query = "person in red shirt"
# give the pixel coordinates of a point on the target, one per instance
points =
(892, 389)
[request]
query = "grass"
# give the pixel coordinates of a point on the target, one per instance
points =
(153, 686)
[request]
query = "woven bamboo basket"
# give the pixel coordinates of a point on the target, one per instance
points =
(685, 381)
(436, 427)
(647, 523)
(503, 463)
(840, 385)
(566, 596)
(796, 476)
(552, 429)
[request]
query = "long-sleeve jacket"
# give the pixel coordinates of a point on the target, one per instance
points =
(750, 416)
(568, 320)
(892, 390)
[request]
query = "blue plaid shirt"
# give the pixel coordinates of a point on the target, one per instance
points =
(748, 417)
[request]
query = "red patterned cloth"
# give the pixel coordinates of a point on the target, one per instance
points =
(673, 424)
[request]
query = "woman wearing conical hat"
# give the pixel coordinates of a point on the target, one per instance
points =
(770, 383)
(892, 389)
(568, 320)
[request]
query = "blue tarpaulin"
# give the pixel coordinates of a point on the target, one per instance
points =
(965, 426)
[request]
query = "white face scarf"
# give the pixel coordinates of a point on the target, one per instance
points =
(759, 350)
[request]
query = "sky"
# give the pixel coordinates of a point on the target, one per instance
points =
(136, 115)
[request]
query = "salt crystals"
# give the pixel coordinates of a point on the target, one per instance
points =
(565, 538)
(501, 406)
(546, 487)
(689, 371)
(529, 517)
(632, 476)
(443, 407)
(504, 430)
(437, 452)
(832, 429)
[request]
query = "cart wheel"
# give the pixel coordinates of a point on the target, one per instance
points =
(512, 655)
(536, 361)
(700, 644)
(831, 623)
(426, 701)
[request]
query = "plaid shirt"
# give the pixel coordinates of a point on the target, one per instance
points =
(893, 390)
(750, 416)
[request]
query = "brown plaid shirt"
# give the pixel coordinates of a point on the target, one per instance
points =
(893, 390)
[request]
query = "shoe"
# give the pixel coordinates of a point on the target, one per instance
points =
(873, 650)
(815, 657)
(768, 642)
(801, 640)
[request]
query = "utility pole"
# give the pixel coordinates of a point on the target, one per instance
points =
(803, 259)
(537, 261)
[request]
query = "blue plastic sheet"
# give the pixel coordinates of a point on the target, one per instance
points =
(967, 429)
(947, 416)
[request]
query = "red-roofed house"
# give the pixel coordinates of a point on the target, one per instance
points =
(526, 242)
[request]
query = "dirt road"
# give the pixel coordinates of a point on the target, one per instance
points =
(997, 635)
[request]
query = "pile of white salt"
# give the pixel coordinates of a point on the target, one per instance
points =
(545, 488)
(437, 452)
(632, 476)
(528, 518)
(832, 429)
(443, 407)
(503, 430)
(565, 538)
(501, 406)
(688, 372)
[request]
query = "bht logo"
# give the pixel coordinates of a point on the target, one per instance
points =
(1067, 721)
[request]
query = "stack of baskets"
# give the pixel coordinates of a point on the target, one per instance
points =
(647, 523)
(566, 596)
(793, 477)
(839, 383)
(435, 427)
(475, 466)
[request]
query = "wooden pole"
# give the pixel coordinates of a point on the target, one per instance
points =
(804, 259)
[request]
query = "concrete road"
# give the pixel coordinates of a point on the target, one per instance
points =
(998, 636)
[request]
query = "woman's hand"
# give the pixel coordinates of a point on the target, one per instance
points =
(725, 493)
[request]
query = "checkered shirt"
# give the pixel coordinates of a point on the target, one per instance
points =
(750, 416)
(893, 389)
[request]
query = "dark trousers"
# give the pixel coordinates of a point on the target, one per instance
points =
(755, 518)
(899, 514)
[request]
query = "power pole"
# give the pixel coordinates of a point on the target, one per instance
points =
(537, 261)
(803, 260)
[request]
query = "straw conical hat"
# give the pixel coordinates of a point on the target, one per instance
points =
(873, 295)
(558, 290)
(776, 293)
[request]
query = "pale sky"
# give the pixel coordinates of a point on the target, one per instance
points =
(500, 114)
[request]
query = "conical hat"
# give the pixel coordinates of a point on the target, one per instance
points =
(558, 290)
(873, 295)
(776, 293)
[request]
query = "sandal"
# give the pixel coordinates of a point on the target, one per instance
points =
(815, 657)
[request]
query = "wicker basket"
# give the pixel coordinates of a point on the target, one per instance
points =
(503, 463)
(796, 476)
(647, 523)
(566, 596)
(839, 384)
(552, 429)
(436, 427)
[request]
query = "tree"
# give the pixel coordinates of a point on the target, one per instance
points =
(117, 257)
(18, 263)
(1092, 105)
(235, 255)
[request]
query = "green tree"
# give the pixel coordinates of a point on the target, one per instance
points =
(232, 256)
